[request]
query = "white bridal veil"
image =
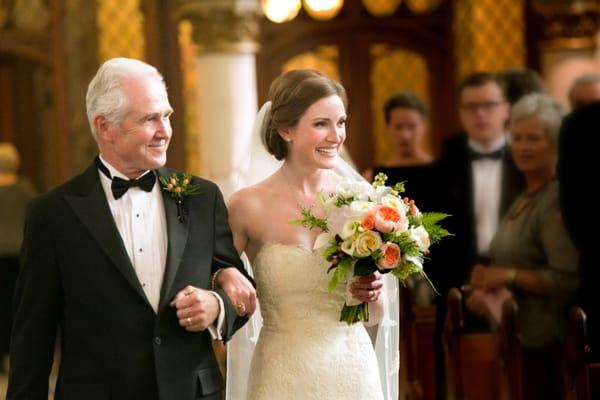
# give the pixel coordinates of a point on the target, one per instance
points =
(241, 347)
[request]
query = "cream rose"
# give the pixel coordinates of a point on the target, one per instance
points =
(366, 243)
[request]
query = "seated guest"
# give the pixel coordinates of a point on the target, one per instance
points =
(578, 154)
(533, 258)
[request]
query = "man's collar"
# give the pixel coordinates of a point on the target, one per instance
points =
(115, 172)
(497, 145)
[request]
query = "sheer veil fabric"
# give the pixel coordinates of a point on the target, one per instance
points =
(241, 347)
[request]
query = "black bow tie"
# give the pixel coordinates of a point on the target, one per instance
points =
(120, 186)
(494, 155)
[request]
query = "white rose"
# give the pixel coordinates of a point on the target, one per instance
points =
(360, 208)
(353, 188)
(366, 243)
(394, 202)
(421, 237)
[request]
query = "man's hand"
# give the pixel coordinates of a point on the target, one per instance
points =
(367, 288)
(197, 309)
(239, 290)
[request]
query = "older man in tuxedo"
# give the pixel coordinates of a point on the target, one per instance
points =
(121, 269)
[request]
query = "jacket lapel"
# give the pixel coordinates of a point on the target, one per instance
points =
(177, 232)
(91, 207)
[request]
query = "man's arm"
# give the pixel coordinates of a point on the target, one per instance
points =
(37, 305)
(231, 272)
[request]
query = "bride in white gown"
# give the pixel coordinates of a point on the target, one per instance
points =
(303, 351)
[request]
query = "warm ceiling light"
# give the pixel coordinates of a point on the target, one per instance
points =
(323, 9)
(422, 6)
(381, 8)
(280, 10)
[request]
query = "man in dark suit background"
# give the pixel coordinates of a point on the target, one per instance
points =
(577, 163)
(120, 270)
(478, 181)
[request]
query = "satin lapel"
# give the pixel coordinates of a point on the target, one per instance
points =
(93, 211)
(177, 237)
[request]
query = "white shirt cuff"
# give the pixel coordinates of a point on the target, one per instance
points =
(216, 328)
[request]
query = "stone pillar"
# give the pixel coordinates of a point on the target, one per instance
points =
(226, 33)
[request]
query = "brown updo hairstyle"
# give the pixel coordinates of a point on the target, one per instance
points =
(291, 94)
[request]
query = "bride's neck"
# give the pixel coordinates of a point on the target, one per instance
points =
(308, 181)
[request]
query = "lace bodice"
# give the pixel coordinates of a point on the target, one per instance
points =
(292, 287)
(303, 351)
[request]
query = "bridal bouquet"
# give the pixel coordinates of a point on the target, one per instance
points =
(368, 228)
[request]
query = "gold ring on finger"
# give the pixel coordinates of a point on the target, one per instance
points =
(189, 321)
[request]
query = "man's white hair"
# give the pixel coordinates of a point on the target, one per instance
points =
(105, 95)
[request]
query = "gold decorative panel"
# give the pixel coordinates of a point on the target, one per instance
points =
(189, 52)
(323, 59)
(489, 35)
(394, 70)
(121, 29)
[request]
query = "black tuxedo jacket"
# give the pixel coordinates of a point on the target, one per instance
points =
(454, 178)
(77, 280)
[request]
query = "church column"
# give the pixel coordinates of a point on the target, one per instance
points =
(226, 34)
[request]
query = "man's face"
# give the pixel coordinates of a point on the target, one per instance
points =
(483, 112)
(140, 140)
(584, 94)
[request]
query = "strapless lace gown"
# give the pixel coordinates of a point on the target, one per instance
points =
(303, 351)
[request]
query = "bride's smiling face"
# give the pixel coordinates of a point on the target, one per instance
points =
(318, 135)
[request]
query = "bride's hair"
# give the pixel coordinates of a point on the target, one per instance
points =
(291, 94)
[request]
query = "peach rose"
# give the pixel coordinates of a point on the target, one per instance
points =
(391, 256)
(368, 221)
(388, 219)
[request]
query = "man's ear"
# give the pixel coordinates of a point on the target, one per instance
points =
(102, 126)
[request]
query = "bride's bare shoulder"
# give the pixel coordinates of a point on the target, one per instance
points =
(253, 198)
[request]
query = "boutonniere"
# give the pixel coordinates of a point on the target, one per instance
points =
(179, 187)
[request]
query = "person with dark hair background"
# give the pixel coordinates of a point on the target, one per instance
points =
(519, 82)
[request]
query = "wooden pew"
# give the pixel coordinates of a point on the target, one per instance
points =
(473, 364)
(417, 350)
(580, 376)
(510, 348)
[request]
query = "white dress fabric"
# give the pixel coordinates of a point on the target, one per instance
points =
(303, 350)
